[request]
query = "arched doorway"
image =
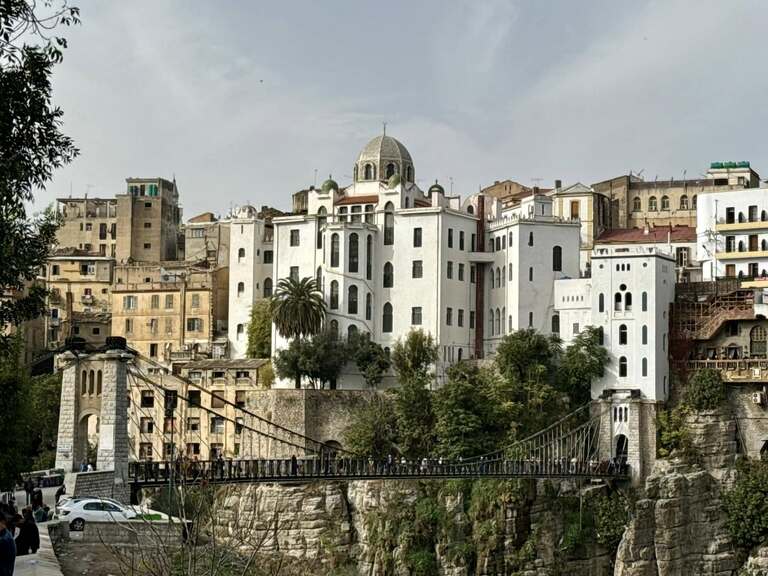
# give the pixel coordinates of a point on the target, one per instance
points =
(87, 440)
(622, 448)
(757, 342)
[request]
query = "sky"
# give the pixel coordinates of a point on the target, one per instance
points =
(248, 102)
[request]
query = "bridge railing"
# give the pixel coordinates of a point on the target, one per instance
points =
(222, 471)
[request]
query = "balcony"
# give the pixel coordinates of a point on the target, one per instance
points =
(746, 255)
(481, 257)
(87, 299)
(741, 226)
(744, 370)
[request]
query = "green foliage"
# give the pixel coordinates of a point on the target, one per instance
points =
(372, 430)
(611, 516)
(267, 375)
(525, 353)
(370, 358)
(319, 359)
(297, 308)
(582, 362)
(746, 505)
(260, 331)
(673, 435)
(705, 390)
(600, 518)
(413, 357)
(414, 416)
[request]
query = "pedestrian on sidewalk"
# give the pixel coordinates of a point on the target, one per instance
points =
(7, 546)
(28, 540)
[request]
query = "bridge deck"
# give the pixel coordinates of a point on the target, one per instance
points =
(155, 474)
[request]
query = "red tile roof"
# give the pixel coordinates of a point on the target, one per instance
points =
(371, 199)
(418, 203)
(659, 234)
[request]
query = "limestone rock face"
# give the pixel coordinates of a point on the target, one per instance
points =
(757, 564)
(713, 436)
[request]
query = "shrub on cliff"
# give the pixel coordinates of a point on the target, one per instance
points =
(747, 505)
(673, 436)
(372, 430)
(705, 390)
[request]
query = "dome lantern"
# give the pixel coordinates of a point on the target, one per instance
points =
(381, 159)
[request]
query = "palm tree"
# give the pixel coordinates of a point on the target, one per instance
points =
(297, 307)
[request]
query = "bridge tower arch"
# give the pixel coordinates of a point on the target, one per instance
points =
(94, 408)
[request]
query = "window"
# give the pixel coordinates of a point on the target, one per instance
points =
(217, 400)
(417, 237)
(752, 213)
(153, 350)
(241, 254)
(472, 319)
(334, 250)
(683, 206)
(294, 273)
(354, 258)
(334, 295)
(644, 301)
(575, 328)
(645, 366)
(240, 291)
(556, 324)
(368, 306)
(530, 319)
(623, 334)
(461, 239)
(389, 275)
(645, 334)
(665, 202)
(369, 257)
(369, 214)
(193, 424)
(321, 219)
(492, 283)
(194, 324)
(637, 204)
(628, 301)
(498, 243)
(240, 331)
(217, 427)
(601, 303)
(356, 213)
(557, 259)
(147, 245)
(352, 300)
(335, 329)
(96, 331)
(389, 224)
(130, 302)
(268, 256)
(450, 237)
(449, 270)
(193, 398)
(652, 207)
(55, 270)
(460, 318)
(294, 238)
(169, 425)
(530, 239)
(472, 273)
(449, 316)
(155, 301)
(730, 270)
(343, 214)
(461, 272)
(498, 321)
(169, 301)
(417, 269)
(623, 367)
(267, 287)
(416, 316)
(574, 209)
(240, 394)
(472, 243)
(617, 302)
(147, 399)
(128, 325)
(146, 425)
(530, 274)
(386, 318)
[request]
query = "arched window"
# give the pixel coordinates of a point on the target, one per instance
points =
(334, 295)
(498, 277)
(407, 202)
(267, 287)
(509, 325)
(91, 383)
(459, 355)
(351, 331)
(490, 322)
(241, 254)
(694, 201)
(623, 367)
(503, 275)
(389, 224)
(335, 250)
(352, 300)
(645, 366)
(757, 342)
(491, 279)
(354, 256)
(652, 204)
(386, 318)
(498, 321)
(368, 306)
(530, 239)
(763, 216)
(335, 329)
(470, 209)
(503, 315)
(240, 288)
(319, 278)
(555, 323)
(665, 202)
(637, 204)
(390, 170)
(623, 334)
(84, 383)
(617, 302)
(389, 275)
(645, 334)
(557, 259)
(409, 174)
(628, 301)
(99, 381)
(601, 303)
(764, 244)
(369, 172)
(321, 220)
(240, 331)
(644, 301)
(683, 202)
(369, 257)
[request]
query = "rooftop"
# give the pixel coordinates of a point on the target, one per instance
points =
(659, 234)
(225, 363)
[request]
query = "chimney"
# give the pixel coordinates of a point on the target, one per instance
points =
(558, 184)
(535, 190)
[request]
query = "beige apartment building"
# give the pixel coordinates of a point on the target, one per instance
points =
(181, 418)
(206, 238)
(171, 311)
(88, 224)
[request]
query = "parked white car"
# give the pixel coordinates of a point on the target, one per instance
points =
(78, 511)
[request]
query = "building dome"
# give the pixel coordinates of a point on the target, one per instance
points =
(436, 188)
(329, 185)
(382, 158)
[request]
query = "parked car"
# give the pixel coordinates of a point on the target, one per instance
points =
(68, 501)
(78, 511)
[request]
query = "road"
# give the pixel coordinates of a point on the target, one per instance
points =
(49, 497)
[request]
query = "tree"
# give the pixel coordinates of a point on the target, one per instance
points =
(370, 358)
(583, 361)
(260, 331)
(297, 308)
(525, 351)
(705, 390)
(747, 505)
(414, 416)
(319, 359)
(43, 404)
(372, 430)
(33, 146)
(414, 356)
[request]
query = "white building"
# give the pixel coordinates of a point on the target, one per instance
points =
(732, 227)
(628, 298)
(390, 258)
(250, 273)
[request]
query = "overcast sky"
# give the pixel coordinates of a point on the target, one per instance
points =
(243, 101)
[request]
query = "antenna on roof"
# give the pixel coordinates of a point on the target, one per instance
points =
(385, 128)
(536, 181)
(450, 179)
